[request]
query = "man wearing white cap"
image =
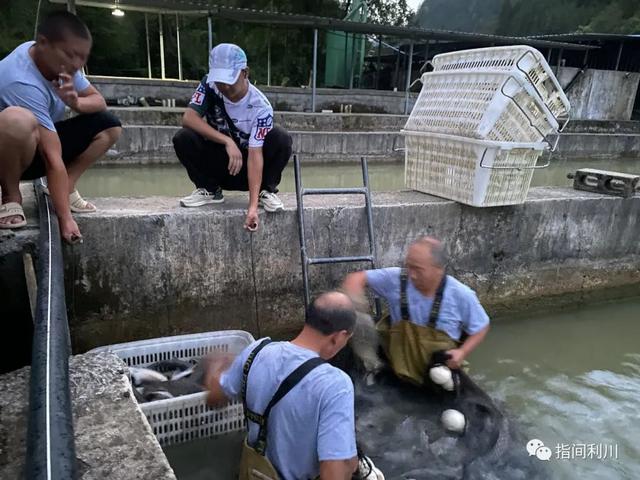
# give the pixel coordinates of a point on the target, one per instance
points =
(228, 140)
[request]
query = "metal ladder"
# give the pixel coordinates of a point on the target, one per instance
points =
(306, 260)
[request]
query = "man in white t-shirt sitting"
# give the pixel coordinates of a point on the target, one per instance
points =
(228, 140)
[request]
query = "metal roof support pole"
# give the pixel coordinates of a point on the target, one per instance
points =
(353, 60)
(408, 82)
(619, 56)
(346, 59)
(426, 51)
(178, 47)
(210, 33)
(314, 72)
(269, 58)
(71, 6)
(161, 33)
(146, 32)
(549, 55)
(397, 70)
(560, 52)
(378, 62)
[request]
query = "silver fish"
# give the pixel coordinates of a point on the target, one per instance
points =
(365, 343)
(140, 376)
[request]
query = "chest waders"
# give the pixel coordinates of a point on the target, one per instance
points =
(409, 346)
(254, 465)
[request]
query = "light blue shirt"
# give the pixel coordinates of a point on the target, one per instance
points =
(314, 422)
(460, 309)
(22, 85)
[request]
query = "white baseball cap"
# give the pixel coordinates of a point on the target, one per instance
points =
(226, 61)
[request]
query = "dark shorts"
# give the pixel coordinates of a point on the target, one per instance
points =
(76, 134)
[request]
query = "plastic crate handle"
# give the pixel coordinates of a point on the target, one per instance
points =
(535, 167)
(553, 79)
(544, 137)
(397, 149)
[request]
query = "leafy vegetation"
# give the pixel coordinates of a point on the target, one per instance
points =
(120, 42)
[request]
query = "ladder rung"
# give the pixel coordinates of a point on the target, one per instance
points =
(320, 260)
(333, 191)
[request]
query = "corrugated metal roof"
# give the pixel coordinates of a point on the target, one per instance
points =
(587, 37)
(203, 7)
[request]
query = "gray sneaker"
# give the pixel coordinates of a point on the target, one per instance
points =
(201, 196)
(270, 201)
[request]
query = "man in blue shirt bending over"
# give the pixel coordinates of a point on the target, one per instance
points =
(429, 311)
(37, 80)
(310, 430)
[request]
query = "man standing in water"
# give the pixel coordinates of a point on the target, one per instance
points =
(429, 310)
(37, 80)
(228, 140)
(300, 409)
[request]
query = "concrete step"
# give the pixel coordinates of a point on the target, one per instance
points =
(153, 144)
(603, 126)
(296, 99)
(290, 120)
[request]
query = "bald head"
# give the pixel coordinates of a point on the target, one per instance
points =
(431, 249)
(331, 312)
(426, 261)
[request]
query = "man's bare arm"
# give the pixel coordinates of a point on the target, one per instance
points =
(57, 182)
(90, 100)
(459, 354)
(338, 469)
(355, 283)
(193, 121)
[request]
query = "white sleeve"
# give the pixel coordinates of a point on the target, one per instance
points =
(262, 125)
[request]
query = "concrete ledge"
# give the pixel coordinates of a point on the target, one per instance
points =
(113, 439)
(282, 98)
(149, 268)
(153, 144)
(603, 126)
(603, 145)
(290, 120)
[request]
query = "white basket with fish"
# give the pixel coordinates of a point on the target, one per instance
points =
(186, 417)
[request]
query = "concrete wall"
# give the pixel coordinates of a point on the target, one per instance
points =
(282, 98)
(598, 145)
(601, 94)
(153, 144)
(149, 268)
(597, 94)
(112, 437)
(326, 122)
(141, 144)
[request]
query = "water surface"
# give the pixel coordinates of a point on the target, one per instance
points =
(568, 379)
(172, 180)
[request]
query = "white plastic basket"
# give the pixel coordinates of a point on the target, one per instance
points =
(474, 172)
(181, 419)
(516, 58)
(490, 105)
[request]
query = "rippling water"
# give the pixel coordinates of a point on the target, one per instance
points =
(569, 379)
(572, 379)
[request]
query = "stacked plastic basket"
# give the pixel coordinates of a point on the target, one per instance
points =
(481, 121)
